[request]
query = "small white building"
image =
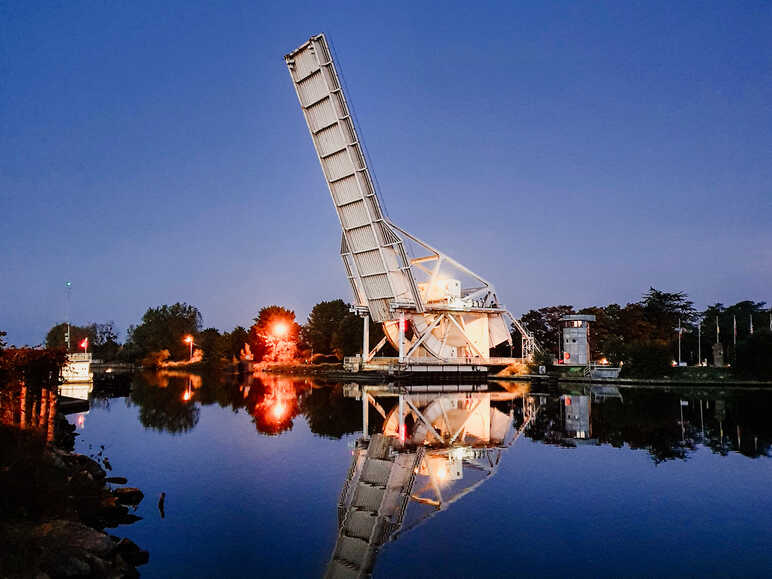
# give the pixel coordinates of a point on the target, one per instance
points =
(77, 369)
(575, 339)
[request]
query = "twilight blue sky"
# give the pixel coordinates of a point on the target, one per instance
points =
(570, 152)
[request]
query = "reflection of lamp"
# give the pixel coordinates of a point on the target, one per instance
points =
(188, 394)
(278, 410)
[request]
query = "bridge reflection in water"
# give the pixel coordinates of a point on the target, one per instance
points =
(436, 445)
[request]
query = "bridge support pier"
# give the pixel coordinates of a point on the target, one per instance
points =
(401, 336)
(365, 337)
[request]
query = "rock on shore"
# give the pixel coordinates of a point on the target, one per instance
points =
(54, 505)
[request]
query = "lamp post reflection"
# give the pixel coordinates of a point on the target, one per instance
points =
(189, 341)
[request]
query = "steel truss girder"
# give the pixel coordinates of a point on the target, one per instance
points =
(382, 277)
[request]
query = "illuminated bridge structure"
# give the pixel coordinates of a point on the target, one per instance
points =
(437, 444)
(433, 309)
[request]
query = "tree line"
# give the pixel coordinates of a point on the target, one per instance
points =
(643, 335)
(330, 332)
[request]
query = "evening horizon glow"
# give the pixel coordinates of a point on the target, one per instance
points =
(570, 154)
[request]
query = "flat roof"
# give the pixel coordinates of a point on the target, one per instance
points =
(578, 318)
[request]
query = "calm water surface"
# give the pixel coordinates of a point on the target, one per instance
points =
(272, 476)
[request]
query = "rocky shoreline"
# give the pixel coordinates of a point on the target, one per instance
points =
(55, 505)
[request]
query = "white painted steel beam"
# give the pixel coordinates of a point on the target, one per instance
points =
(382, 277)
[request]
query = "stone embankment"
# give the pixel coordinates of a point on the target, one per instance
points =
(54, 507)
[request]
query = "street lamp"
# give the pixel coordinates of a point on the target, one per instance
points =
(189, 341)
(280, 329)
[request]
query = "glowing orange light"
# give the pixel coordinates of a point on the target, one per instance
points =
(188, 339)
(187, 395)
(280, 329)
(442, 474)
(84, 344)
(278, 410)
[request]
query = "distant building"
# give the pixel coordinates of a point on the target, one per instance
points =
(575, 343)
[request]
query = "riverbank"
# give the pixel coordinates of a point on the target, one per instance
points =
(681, 377)
(54, 507)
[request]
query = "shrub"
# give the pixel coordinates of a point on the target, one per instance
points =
(155, 359)
(647, 360)
(323, 359)
(754, 356)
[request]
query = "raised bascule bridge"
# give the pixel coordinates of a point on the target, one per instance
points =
(435, 311)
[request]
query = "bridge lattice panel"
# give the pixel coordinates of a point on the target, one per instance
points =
(373, 253)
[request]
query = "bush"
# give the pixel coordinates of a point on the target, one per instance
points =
(754, 356)
(647, 361)
(541, 358)
(323, 359)
(34, 366)
(155, 359)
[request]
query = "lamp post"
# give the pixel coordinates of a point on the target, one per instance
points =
(189, 341)
(680, 331)
(279, 334)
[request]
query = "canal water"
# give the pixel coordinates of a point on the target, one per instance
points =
(273, 476)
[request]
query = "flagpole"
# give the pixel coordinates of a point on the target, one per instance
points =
(699, 342)
(734, 330)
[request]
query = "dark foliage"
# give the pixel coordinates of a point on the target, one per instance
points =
(163, 328)
(754, 355)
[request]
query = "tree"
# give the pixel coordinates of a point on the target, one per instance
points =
(214, 345)
(106, 346)
(3, 343)
(235, 341)
(754, 355)
(347, 336)
(724, 317)
(274, 335)
(647, 360)
(544, 325)
(165, 327)
(332, 328)
(102, 339)
(323, 321)
(57, 336)
(665, 311)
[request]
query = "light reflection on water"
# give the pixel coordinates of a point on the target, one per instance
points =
(271, 475)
